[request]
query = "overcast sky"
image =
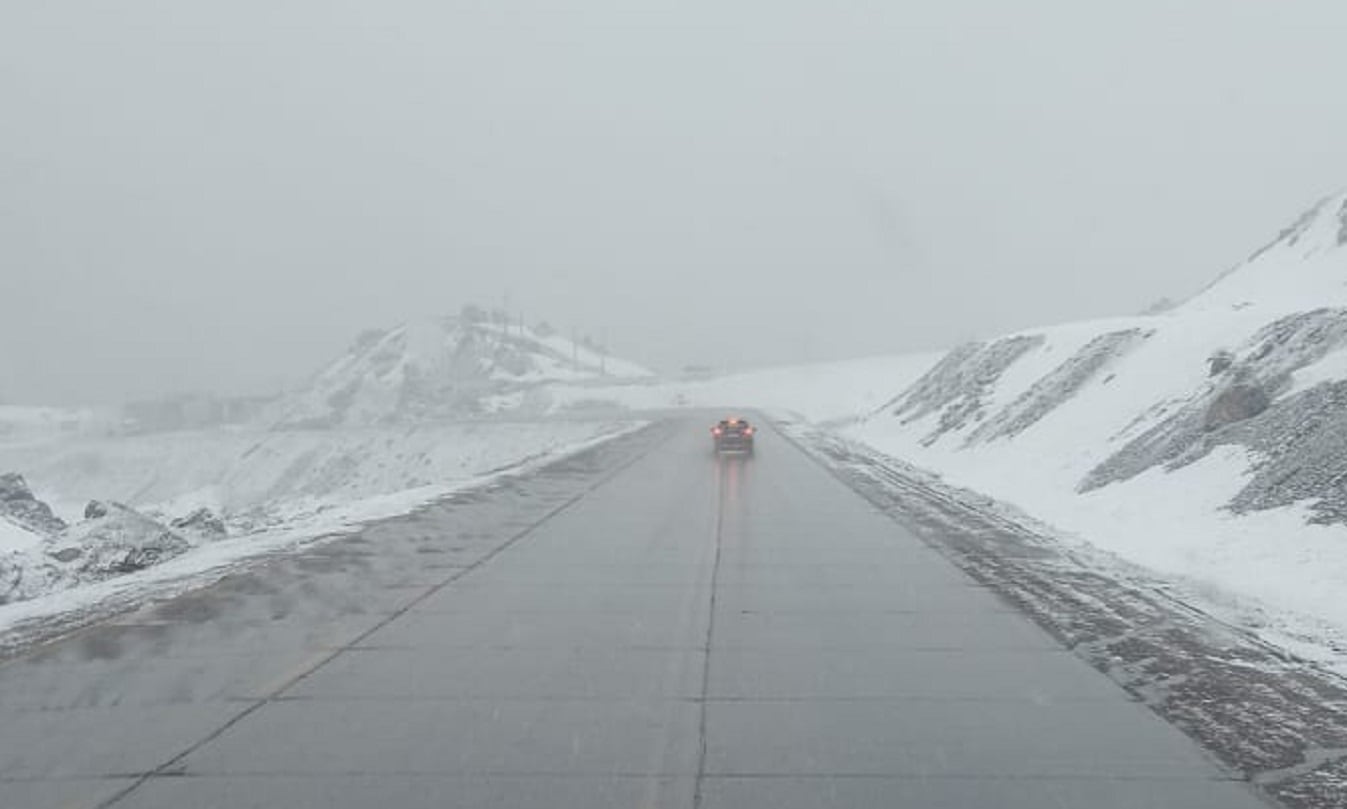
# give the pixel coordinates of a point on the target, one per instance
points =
(220, 195)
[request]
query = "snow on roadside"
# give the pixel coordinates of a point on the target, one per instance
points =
(1268, 570)
(1205, 444)
(255, 478)
(306, 525)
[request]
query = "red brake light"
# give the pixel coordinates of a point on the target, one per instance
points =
(715, 431)
(748, 431)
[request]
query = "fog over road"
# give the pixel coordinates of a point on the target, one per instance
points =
(642, 625)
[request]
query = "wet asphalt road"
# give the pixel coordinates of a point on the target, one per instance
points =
(642, 626)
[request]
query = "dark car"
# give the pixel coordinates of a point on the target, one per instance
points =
(733, 435)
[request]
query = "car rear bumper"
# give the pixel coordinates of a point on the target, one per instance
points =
(734, 445)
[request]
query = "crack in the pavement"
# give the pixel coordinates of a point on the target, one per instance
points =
(698, 795)
(175, 766)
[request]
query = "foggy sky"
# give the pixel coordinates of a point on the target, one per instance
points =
(219, 196)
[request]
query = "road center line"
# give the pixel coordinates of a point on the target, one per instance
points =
(697, 796)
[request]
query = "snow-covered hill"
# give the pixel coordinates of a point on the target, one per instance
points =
(1207, 442)
(390, 425)
(1301, 269)
(449, 367)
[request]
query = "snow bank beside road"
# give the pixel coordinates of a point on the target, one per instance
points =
(256, 478)
(1271, 569)
(278, 493)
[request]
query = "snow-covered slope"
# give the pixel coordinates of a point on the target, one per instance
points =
(1301, 269)
(1207, 442)
(446, 367)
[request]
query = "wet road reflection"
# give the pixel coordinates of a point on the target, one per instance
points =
(641, 626)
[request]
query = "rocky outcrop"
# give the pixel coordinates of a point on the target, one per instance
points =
(18, 503)
(201, 524)
(1299, 445)
(112, 540)
(959, 385)
(1219, 362)
(1058, 386)
(22, 576)
(119, 540)
(1234, 403)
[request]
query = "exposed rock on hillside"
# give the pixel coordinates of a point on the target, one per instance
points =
(1300, 445)
(1219, 362)
(120, 540)
(1261, 372)
(959, 385)
(201, 524)
(1057, 386)
(18, 503)
(1235, 404)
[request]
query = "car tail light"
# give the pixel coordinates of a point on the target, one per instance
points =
(748, 431)
(715, 431)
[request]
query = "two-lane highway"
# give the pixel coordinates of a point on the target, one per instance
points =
(683, 631)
